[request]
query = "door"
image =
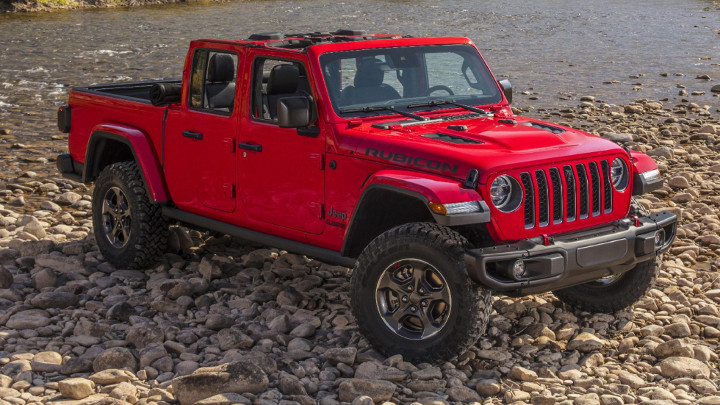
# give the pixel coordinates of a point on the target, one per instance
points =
(200, 137)
(281, 169)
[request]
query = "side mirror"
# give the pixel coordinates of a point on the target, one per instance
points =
(294, 112)
(507, 89)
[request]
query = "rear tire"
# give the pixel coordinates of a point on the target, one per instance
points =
(129, 228)
(411, 295)
(614, 293)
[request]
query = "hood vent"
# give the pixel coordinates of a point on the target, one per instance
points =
(451, 139)
(549, 128)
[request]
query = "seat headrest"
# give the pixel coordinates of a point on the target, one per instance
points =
(369, 73)
(221, 68)
(283, 79)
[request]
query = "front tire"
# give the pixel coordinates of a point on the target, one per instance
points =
(129, 228)
(411, 295)
(614, 293)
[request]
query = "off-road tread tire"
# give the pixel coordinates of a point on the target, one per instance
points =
(150, 230)
(461, 332)
(632, 285)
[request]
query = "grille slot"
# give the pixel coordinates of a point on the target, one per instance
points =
(557, 195)
(584, 197)
(543, 198)
(567, 193)
(529, 205)
(595, 178)
(607, 187)
(571, 193)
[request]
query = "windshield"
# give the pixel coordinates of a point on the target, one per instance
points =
(417, 78)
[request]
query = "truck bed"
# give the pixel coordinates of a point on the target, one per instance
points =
(132, 91)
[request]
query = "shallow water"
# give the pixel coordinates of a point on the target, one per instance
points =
(554, 51)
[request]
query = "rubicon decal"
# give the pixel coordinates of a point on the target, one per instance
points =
(416, 161)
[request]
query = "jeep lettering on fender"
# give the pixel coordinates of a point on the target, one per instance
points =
(399, 157)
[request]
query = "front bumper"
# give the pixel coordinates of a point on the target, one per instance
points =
(570, 259)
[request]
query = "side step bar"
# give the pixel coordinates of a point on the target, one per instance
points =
(326, 255)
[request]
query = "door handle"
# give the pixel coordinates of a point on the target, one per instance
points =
(250, 146)
(192, 135)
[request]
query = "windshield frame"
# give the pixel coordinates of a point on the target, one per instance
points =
(481, 72)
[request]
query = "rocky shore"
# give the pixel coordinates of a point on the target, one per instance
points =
(219, 321)
(55, 5)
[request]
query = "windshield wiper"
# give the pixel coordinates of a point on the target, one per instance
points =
(384, 108)
(437, 103)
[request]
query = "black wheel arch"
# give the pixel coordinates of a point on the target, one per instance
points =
(397, 205)
(105, 148)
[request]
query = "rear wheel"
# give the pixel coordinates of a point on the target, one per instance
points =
(129, 228)
(613, 293)
(411, 295)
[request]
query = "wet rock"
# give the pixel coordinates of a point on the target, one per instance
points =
(238, 377)
(683, 367)
(116, 357)
(377, 390)
(76, 388)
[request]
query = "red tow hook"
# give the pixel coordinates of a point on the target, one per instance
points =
(636, 219)
(546, 239)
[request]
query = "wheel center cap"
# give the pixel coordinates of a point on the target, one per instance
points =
(415, 298)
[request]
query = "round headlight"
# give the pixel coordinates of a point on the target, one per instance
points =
(619, 174)
(506, 193)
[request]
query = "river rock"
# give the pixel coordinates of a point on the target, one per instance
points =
(55, 299)
(116, 357)
(370, 370)
(585, 342)
(6, 278)
(341, 355)
(377, 390)
(61, 264)
(228, 398)
(683, 367)
(30, 319)
(68, 198)
(238, 377)
(234, 338)
(76, 388)
(111, 376)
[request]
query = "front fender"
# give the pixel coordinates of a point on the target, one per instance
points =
(645, 174)
(142, 149)
(431, 189)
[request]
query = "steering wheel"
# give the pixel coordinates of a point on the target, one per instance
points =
(433, 89)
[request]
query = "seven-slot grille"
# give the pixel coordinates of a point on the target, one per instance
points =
(566, 193)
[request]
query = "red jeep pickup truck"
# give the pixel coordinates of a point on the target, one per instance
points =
(397, 156)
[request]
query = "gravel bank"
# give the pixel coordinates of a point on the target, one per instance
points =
(221, 322)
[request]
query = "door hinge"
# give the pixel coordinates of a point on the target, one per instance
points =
(320, 159)
(229, 190)
(318, 209)
(229, 145)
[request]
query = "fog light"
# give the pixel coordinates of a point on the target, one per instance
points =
(659, 238)
(517, 269)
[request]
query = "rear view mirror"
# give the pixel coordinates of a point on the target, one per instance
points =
(294, 112)
(507, 89)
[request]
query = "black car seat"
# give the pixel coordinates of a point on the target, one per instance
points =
(369, 86)
(220, 83)
(283, 82)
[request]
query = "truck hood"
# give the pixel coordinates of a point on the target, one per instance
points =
(491, 145)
